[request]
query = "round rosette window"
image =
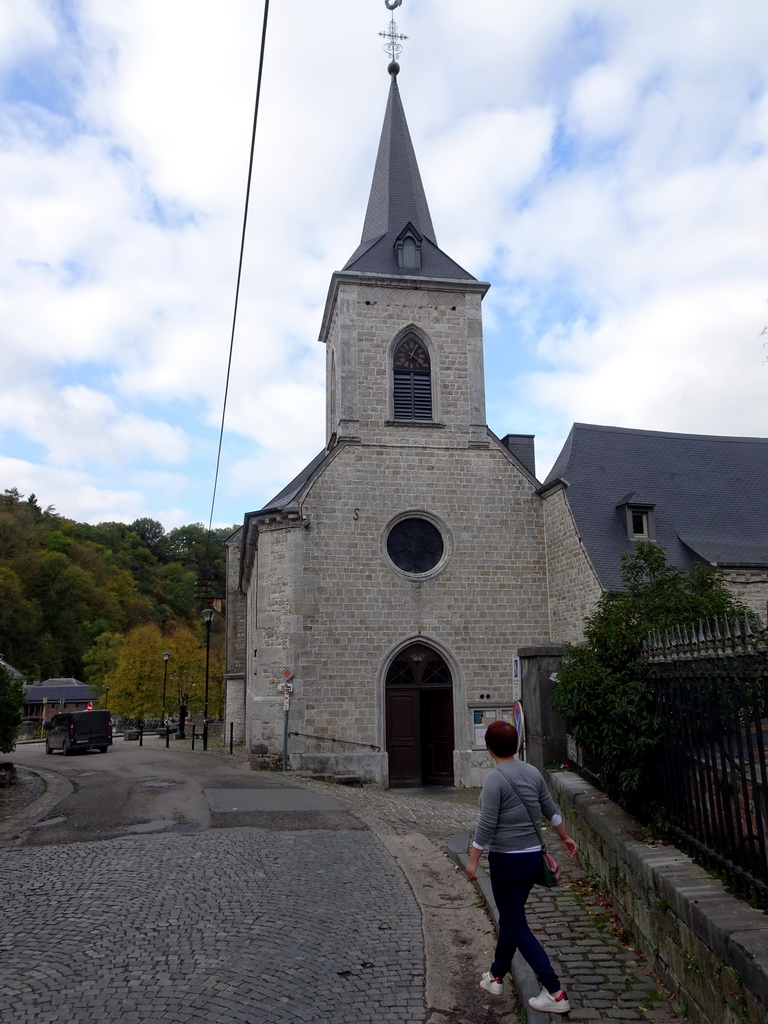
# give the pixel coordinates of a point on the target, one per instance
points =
(415, 545)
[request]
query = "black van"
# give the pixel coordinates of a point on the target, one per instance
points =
(79, 730)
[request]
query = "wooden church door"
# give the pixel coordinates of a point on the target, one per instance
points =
(419, 710)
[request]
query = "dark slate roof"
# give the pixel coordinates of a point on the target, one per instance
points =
(54, 690)
(396, 200)
(710, 494)
(10, 669)
(285, 498)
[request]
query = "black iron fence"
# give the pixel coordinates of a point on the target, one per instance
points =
(711, 685)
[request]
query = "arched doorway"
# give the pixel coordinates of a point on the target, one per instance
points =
(419, 710)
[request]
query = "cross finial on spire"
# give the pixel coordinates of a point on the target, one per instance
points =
(393, 37)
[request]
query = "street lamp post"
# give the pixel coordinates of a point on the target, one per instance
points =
(166, 656)
(106, 698)
(207, 615)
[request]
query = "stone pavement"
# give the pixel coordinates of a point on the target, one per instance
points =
(607, 980)
(201, 915)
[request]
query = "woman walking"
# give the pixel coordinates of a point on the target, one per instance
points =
(513, 799)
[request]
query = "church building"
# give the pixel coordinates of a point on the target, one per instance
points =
(383, 595)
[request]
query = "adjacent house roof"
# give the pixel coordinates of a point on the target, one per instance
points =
(397, 202)
(708, 495)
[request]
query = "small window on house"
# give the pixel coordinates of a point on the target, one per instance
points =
(639, 523)
(412, 380)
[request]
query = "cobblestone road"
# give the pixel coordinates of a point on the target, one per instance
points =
(237, 925)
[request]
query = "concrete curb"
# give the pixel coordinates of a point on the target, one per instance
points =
(56, 789)
(525, 980)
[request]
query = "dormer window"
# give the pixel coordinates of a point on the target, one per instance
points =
(408, 246)
(639, 519)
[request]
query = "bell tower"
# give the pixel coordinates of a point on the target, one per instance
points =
(402, 323)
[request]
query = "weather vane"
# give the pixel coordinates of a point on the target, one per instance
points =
(393, 37)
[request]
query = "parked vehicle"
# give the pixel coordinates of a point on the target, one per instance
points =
(79, 730)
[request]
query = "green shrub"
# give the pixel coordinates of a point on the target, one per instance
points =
(12, 693)
(602, 691)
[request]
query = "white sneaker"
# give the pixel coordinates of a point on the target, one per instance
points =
(549, 1004)
(493, 985)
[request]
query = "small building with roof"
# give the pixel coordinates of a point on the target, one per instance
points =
(42, 700)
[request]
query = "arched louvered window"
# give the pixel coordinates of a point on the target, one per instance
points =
(412, 381)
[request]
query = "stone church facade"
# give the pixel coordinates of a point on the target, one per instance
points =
(395, 579)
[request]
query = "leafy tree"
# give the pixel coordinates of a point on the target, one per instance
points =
(12, 693)
(601, 690)
(136, 680)
(152, 534)
(101, 658)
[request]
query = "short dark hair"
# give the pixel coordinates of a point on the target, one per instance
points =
(501, 739)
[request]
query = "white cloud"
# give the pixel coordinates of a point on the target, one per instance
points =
(76, 424)
(602, 164)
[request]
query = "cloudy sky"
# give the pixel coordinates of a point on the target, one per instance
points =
(603, 164)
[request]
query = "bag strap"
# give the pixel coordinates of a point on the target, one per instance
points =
(516, 791)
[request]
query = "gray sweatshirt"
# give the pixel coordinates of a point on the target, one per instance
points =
(504, 824)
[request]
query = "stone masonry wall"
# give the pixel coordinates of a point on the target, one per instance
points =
(235, 618)
(573, 586)
(710, 948)
(332, 606)
(751, 587)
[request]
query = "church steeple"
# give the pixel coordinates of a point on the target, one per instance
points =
(398, 236)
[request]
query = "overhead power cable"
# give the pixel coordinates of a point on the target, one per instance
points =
(240, 261)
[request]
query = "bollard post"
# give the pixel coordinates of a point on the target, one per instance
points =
(193, 735)
(205, 734)
(231, 736)
(141, 734)
(167, 736)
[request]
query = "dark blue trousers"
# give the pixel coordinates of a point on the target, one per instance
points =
(512, 878)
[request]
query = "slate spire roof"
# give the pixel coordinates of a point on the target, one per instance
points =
(397, 200)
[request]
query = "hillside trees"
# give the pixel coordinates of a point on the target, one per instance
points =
(65, 586)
